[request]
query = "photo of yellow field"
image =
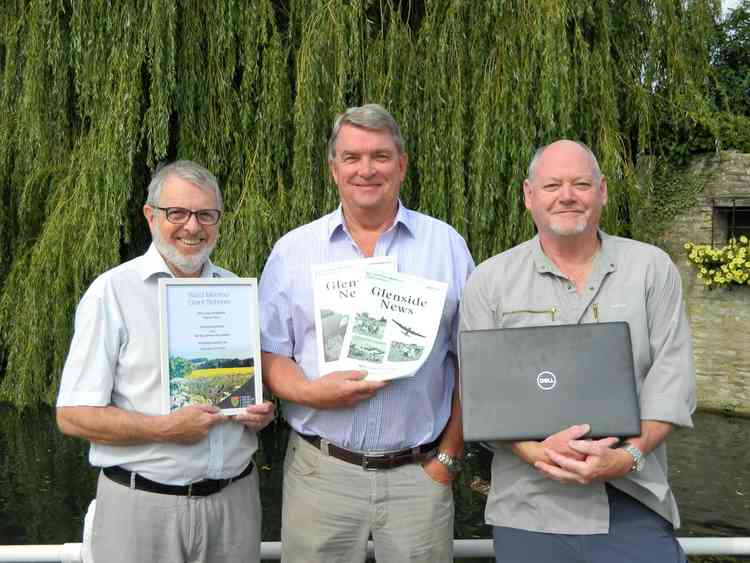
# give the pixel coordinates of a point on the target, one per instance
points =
(216, 372)
(225, 383)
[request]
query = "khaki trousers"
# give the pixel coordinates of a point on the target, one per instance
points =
(136, 526)
(330, 509)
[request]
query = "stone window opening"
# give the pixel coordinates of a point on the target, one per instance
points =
(731, 219)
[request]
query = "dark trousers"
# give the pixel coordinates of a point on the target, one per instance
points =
(636, 535)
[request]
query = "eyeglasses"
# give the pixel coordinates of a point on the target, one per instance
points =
(180, 215)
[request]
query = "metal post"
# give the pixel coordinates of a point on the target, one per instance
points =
(471, 549)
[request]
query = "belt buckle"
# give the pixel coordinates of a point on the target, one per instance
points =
(366, 459)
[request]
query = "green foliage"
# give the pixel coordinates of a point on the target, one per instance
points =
(732, 61)
(663, 193)
(95, 94)
(179, 367)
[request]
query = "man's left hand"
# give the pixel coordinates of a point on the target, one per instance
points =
(437, 471)
(256, 417)
(601, 462)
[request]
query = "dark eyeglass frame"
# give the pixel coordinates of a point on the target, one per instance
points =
(207, 221)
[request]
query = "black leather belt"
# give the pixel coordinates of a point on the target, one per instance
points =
(198, 489)
(386, 460)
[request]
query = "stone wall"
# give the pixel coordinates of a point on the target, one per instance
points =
(719, 318)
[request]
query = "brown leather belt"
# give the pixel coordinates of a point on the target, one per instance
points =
(198, 489)
(372, 462)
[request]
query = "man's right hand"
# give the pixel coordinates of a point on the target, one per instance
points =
(118, 427)
(190, 424)
(341, 389)
(532, 452)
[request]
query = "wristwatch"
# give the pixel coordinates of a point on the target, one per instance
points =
(639, 460)
(452, 464)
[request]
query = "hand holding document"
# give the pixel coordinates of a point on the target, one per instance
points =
(370, 317)
(210, 343)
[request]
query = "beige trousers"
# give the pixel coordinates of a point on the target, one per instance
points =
(136, 526)
(330, 509)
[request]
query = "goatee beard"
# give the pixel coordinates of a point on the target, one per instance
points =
(189, 264)
(579, 227)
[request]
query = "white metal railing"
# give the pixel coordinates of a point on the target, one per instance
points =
(72, 552)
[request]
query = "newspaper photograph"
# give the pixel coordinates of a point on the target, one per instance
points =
(394, 325)
(335, 287)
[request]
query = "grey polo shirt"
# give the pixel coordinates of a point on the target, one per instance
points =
(630, 281)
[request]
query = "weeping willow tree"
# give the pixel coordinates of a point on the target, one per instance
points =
(96, 94)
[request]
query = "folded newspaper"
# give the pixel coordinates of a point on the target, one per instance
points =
(335, 287)
(394, 324)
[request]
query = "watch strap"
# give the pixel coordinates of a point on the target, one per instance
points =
(452, 463)
(638, 458)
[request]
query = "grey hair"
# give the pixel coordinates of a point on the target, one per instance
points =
(190, 172)
(538, 154)
(368, 116)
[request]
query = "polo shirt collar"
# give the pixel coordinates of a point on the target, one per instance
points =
(607, 259)
(404, 218)
(152, 264)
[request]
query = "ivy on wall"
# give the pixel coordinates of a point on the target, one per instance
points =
(95, 94)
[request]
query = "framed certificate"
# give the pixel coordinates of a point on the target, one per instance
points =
(210, 343)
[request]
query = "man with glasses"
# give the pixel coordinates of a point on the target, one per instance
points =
(568, 499)
(175, 487)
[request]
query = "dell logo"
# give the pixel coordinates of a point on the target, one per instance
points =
(546, 380)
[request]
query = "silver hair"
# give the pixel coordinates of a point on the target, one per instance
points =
(538, 154)
(368, 116)
(190, 172)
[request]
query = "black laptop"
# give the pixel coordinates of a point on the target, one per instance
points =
(528, 383)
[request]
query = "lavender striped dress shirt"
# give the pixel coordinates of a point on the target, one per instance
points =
(408, 412)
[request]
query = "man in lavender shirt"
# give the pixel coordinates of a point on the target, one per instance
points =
(365, 458)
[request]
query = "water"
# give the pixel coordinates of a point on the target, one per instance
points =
(46, 482)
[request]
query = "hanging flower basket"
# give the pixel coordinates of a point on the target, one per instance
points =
(721, 267)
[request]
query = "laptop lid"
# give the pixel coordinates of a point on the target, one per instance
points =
(529, 383)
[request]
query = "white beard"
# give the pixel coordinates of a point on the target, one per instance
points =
(576, 229)
(189, 264)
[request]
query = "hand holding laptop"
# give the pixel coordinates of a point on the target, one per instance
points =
(531, 451)
(602, 462)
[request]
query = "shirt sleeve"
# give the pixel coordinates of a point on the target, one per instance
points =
(276, 330)
(668, 392)
(89, 371)
(460, 277)
(477, 309)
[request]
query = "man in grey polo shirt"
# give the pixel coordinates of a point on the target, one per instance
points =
(568, 498)
(176, 487)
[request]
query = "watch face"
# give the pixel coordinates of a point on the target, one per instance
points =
(638, 459)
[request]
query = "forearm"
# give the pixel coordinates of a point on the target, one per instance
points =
(109, 425)
(529, 451)
(653, 433)
(285, 379)
(452, 441)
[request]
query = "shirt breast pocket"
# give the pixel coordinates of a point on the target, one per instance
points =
(523, 316)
